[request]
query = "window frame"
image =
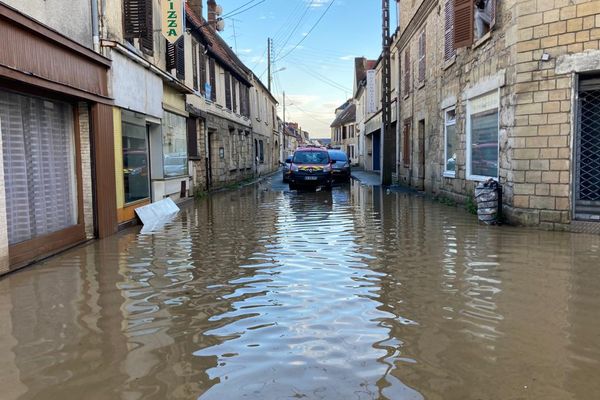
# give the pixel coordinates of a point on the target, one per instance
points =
(469, 175)
(447, 173)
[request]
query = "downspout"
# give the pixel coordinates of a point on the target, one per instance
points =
(95, 29)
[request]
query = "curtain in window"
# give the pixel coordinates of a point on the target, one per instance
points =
(39, 166)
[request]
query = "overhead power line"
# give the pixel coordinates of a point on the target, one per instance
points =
(289, 37)
(232, 14)
(309, 32)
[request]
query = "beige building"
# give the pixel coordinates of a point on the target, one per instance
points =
(508, 92)
(343, 130)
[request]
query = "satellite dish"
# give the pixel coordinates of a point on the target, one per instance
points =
(218, 10)
(220, 25)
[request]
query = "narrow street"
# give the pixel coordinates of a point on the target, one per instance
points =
(264, 293)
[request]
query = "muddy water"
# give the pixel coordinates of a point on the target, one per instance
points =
(265, 294)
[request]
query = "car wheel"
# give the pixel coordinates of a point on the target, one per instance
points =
(293, 187)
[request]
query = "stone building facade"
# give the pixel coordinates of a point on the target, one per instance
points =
(503, 104)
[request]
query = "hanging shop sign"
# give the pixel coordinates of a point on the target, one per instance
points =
(371, 91)
(172, 17)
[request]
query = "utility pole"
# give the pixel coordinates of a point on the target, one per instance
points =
(283, 142)
(269, 62)
(388, 143)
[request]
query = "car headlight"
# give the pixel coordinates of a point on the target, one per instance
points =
(294, 168)
(327, 168)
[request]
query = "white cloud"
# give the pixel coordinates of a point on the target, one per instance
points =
(347, 58)
(317, 3)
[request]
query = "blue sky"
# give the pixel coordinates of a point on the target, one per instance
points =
(318, 73)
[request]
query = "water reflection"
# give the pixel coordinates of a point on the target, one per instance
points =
(354, 293)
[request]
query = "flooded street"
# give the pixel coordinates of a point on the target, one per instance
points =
(264, 293)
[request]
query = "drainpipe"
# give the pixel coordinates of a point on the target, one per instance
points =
(95, 30)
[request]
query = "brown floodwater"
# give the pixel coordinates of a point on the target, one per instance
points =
(269, 294)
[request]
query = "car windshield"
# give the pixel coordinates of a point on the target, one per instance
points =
(311, 157)
(338, 156)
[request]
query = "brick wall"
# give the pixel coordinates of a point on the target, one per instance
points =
(86, 169)
(542, 151)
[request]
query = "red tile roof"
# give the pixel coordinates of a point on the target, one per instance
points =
(218, 47)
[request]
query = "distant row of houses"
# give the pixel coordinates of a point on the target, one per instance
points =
(489, 89)
(102, 113)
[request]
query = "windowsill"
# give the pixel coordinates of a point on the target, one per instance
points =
(450, 62)
(479, 178)
(449, 174)
(421, 85)
(483, 39)
(406, 96)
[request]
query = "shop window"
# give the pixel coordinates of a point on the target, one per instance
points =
(39, 166)
(136, 171)
(482, 137)
(450, 143)
(174, 145)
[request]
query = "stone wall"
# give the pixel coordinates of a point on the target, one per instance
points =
(542, 151)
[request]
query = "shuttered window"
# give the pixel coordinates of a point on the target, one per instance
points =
(407, 72)
(228, 90)
(176, 57)
(449, 50)
(406, 143)
(195, 64)
(39, 166)
(463, 23)
(422, 57)
(137, 23)
(213, 80)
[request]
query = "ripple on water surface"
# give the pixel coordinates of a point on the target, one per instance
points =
(350, 294)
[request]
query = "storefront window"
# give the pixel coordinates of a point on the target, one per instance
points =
(174, 145)
(39, 166)
(135, 162)
(483, 137)
(451, 143)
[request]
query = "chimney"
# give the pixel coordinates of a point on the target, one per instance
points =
(212, 12)
(196, 6)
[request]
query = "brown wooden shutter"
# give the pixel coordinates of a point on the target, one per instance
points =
(407, 71)
(180, 58)
(227, 90)
(234, 85)
(449, 50)
(195, 64)
(463, 23)
(134, 18)
(170, 56)
(192, 138)
(406, 144)
(422, 57)
(213, 80)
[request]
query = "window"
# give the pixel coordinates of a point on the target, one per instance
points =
(472, 20)
(228, 90)
(176, 57)
(136, 173)
(449, 50)
(451, 143)
(482, 137)
(137, 23)
(38, 145)
(174, 145)
(192, 138)
(234, 85)
(262, 151)
(202, 69)
(213, 80)
(406, 72)
(344, 132)
(195, 64)
(406, 133)
(422, 56)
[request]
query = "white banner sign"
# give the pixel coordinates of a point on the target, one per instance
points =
(371, 92)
